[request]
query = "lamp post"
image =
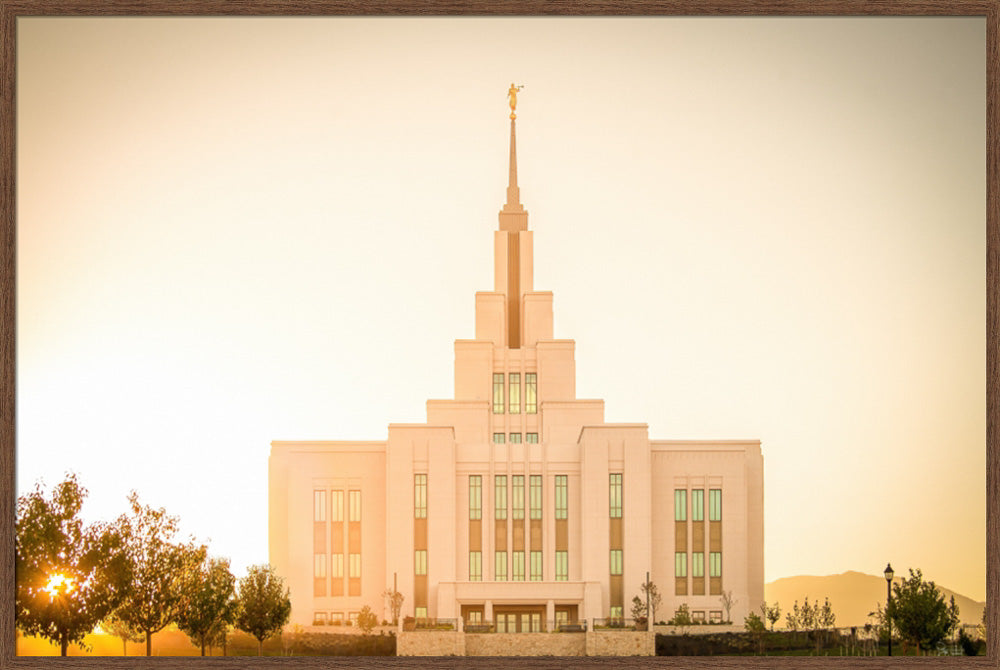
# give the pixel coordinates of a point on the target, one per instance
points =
(888, 597)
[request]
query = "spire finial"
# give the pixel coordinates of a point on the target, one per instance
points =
(512, 97)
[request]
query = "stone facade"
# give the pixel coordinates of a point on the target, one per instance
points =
(620, 643)
(526, 644)
(430, 643)
(591, 643)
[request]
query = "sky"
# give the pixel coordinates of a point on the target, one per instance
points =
(233, 231)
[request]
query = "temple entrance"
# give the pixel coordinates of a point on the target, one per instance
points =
(519, 618)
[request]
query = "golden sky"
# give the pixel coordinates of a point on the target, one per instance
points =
(238, 230)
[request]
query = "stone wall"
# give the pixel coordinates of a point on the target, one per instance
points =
(620, 643)
(526, 644)
(430, 643)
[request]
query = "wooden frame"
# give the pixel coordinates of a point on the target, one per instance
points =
(10, 10)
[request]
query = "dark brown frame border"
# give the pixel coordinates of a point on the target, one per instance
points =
(10, 10)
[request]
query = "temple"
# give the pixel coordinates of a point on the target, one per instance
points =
(516, 507)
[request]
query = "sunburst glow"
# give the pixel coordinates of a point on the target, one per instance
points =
(59, 583)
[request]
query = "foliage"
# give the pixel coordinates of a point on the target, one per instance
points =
(982, 626)
(755, 626)
(638, 610)
(682, 618)
(394, 599)
(68, 576)
(919, 612)
(159, 567)
(116, 626)
(263, 604)
(208, 603)
(367, 620)
(792, 617)
(825, 616)
(969, 646)
(650, 589)
(770, 613)
(727, 603)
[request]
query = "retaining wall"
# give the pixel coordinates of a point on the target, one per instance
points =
(621, 643)
(430, 643)
(526, 644)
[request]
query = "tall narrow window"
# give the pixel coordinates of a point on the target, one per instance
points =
(680, 506)
(515, 438)
(615, 503)
(561, 496)
(337, 566)
(354, 561)
(336, 505)
(536, 566)
(517, 558)
(420, 612)
(499, 438)
(562, 566)
(531, 392)
(475, 497)
(715, 564)
(354, 505)
(616, 612)
(698, 564)
(536, 496)
(680, 564)
(420, 496)
(531, 438)
(500, 496)
(319, 565)
(420, 562)
(517, 496)
(698, 504)
(319, 505)
(616, 561)
(500, 566)
(715, 504)
(514, 393)
(498, 393)
(475, 566)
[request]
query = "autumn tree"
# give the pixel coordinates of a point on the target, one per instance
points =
(263, 604)
(208, 600)
(115, 626)
(159, 567)
(919, 612)
(649, 589)
(69, 576)
(395, 601)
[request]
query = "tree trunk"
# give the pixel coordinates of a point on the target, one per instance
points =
(202, 645)
(149, 643)
(63, 644)
(124, 646)
(260, 647)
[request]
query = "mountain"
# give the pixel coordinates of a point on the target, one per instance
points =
(853, 595)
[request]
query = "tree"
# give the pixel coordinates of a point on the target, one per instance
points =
(208, 600)
(639, 610)
(919, 612)
(755, 626)
(727, 603)
(792, 618)
(649, 589)
(682, 618)
(367, 620)
(68, 576)
(114, 625)
(395, 601)
(771, 614)
(263, 604)
(159, 566)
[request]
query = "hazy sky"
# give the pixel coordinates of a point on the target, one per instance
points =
(232, 231)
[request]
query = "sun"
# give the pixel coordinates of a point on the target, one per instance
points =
(59, 583)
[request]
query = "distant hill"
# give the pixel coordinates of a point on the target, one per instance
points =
(853, 595)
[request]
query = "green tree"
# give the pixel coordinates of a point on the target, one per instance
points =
(639, 610)
(754, 625)
(769, 613)
(792, 618)
(68, 576)
(114, 625)
(919, 612)
(649, 589)
(208, 600)
(159, 567)
(682, 618)
(263, 605)
(367, 620)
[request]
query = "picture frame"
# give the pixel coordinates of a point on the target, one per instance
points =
(11, 10)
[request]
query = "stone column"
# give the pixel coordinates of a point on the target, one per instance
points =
(488, 611)
(550, 612)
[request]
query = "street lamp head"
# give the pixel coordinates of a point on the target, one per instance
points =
(888, 572)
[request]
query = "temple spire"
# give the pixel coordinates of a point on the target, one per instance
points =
(513, 204)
